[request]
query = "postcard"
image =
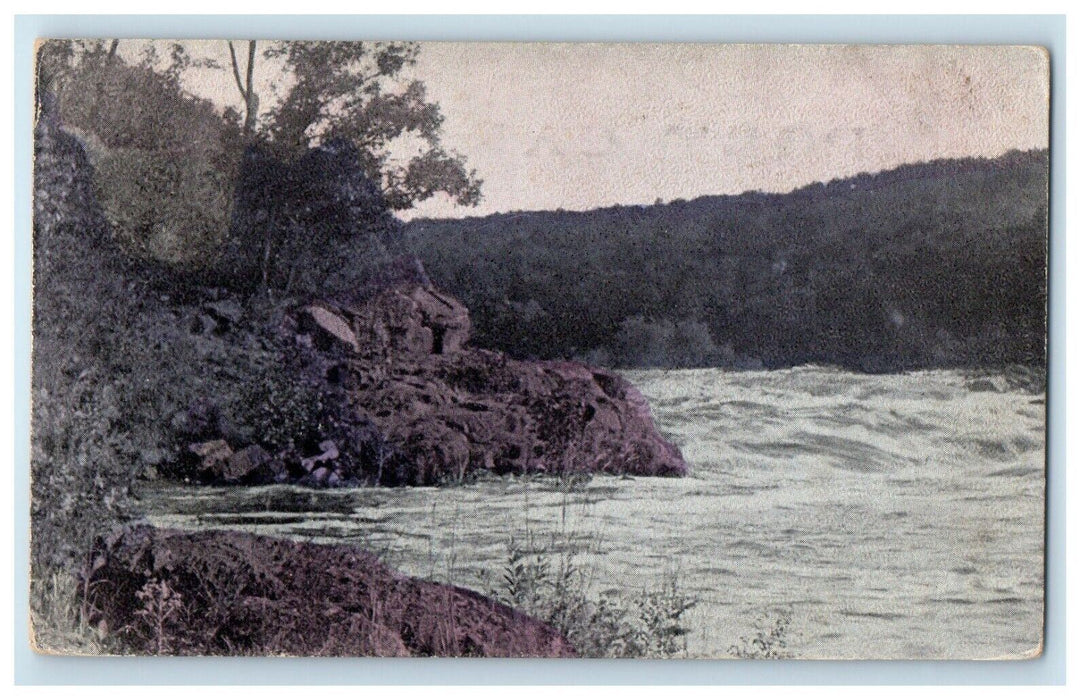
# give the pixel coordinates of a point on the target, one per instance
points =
(721, 351)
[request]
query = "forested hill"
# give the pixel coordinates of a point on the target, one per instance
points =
(936, 264)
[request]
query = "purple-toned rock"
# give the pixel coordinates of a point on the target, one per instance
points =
(218, 463)
(402, 321)
(446, 410)
(252, 464)
(328, 328)
(212, 455)
(451, 415)
(430, 409)
(234, 593)
(329, 453)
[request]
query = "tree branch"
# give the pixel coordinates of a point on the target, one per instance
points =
(234, 66)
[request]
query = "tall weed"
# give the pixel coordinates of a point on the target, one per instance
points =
(543, 577)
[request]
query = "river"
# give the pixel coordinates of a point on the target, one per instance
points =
(886, 516)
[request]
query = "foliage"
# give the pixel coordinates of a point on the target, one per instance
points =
(555, 589)
(281, 409)
(169, 174)
(929, 265)
(77, 476)
(316, 225)
(357, 91)
(161, 613)
(162, 172)
(57, 619)
(117, 364)
(163, 208)
(769, 641)
(141, 106)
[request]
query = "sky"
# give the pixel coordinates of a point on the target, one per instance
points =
(579, 126)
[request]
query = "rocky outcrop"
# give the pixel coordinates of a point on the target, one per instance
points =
(233, 593)
(420, 406)
(452, 415)
(447, 411)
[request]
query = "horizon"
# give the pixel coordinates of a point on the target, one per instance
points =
(766, 193)
(582, 126)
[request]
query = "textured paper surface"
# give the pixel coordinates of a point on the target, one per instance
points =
(848, 499)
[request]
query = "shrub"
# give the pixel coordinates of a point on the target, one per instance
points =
(314, 225)
(163, 208)
(136, 106)
(769, 641)
(556, 590)
(283, 410)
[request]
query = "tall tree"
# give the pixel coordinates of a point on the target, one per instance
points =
(358, 91)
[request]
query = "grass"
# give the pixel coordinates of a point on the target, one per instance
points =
(543, 577)
(546, 575)
(57, 618)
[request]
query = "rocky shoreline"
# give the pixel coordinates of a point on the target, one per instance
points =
(161, 591)
(422, 407)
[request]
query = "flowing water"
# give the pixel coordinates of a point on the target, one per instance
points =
(893, 516)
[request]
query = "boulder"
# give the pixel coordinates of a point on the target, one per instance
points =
(405, 321)
(328, 328)
(251, 464)
(220, 464)
(232, 593)
(329, 452)
(213, 456)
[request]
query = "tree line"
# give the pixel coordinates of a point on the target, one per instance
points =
(938, 264)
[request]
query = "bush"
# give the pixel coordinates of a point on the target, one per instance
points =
(314, 225)
(643, 342)
(282, 410)
(163, 208)
(553, 588)
(769, 641)
(136, 106)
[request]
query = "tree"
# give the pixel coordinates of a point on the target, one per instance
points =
(357, 91)
(248, 96)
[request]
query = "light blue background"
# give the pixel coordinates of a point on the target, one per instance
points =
(1047, 31)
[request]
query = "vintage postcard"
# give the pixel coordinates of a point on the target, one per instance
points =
(539, 350)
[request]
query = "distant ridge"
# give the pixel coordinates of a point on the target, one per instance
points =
(860, 182)
(932, 264)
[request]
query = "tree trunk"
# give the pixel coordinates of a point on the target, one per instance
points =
(246, 89)
(250, 96)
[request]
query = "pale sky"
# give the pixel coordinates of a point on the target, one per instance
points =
(578, 126)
